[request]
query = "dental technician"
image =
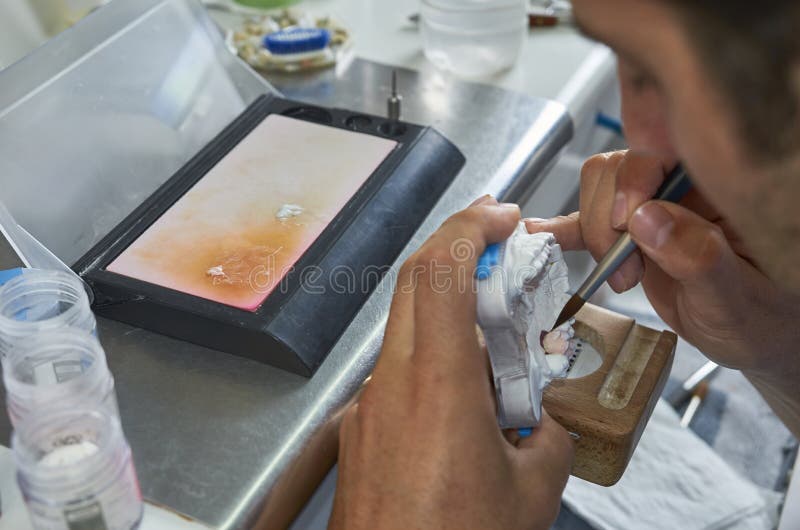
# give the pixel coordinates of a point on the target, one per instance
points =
(714, 84)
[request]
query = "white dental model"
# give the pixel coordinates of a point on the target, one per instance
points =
(522, 286)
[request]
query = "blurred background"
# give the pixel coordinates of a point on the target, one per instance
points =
(26, 24)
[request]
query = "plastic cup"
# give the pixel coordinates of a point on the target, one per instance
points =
(57, 369)
(75, 470)
(473, 38)
(38, 301)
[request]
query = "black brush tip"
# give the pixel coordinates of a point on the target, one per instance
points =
(574, 305)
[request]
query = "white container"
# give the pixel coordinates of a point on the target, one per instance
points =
(473, 38)
(39, 301)
(57, 369)
(75, 470)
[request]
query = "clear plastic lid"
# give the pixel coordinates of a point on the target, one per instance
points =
(39, 301)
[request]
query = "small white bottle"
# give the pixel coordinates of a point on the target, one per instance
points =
(63, 368)
(75, 470)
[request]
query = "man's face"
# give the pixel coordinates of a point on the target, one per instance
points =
(672, 108)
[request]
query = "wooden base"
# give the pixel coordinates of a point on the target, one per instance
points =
(609, 408)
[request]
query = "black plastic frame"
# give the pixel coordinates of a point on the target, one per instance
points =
(294, 328)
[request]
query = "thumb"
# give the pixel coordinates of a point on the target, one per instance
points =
(687, 247)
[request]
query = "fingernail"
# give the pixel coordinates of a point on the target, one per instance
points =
(617, 281)
(509, 209)
(651, 225)
(535, 220)
(619, 212)
(481, 200)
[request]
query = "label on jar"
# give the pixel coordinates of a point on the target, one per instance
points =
(85, 518)
(118, 506)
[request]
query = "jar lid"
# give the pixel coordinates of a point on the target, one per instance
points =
(297, 40)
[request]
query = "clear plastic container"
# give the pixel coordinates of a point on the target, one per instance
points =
(473, 38)
(75, 470)
(57, 369)
(39, 301)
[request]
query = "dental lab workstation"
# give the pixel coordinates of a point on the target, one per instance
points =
(348, 264)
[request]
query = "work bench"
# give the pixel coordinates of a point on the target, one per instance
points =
(121, 101)
(103, 113)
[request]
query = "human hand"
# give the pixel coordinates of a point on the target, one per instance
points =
(422, 448)
(695, 271)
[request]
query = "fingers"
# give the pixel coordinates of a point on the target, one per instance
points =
(444, 296)
(613, 187)
(592, 173)
(546, 457)
(549, 436)
(433, 312)
(566, 228)
(639, 177)
(598, 234)
(399, 334)
(637, 180)
(685, 246)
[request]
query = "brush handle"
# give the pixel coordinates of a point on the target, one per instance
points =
(675, 187)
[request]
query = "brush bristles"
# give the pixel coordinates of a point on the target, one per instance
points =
(570, 309)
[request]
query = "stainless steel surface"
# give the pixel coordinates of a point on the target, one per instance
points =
(211, 433)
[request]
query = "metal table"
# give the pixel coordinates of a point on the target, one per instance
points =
(212, 433)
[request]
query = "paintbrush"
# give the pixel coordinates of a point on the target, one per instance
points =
(675, 187)
(697, 398)
(683, 392)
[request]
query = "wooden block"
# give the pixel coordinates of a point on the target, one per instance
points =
(608, 409)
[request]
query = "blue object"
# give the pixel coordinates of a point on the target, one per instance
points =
(7, 275)
(607, 122)
(489, 259)
(297, 40)
(524, 433)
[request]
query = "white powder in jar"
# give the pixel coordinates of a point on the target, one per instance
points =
(68, 454)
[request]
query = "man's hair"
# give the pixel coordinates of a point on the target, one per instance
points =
(752, 50)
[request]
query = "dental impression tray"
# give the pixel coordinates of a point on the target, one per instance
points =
(599, 375)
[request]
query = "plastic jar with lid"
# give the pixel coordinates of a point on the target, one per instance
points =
(473, 38)
(75, 470)
(39, 301)
(57, 369)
